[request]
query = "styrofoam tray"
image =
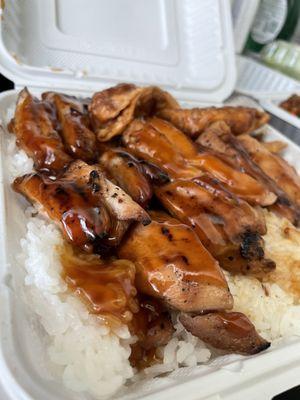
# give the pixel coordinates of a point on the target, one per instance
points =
(269, 87)
(185, 46)
(23, 363)
(266, 85)
(261, 82)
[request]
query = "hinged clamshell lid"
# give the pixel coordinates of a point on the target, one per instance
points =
(185, 46)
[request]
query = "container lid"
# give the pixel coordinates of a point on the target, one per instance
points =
(185, 46)
(243, 13)
(261, 82)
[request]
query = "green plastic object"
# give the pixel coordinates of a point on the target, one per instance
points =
(283, 56)
(275, 19)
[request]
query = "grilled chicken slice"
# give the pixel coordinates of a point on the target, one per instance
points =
(147, 143)
(128, 173)
(92, 178)
(227, 226)
(172, 265)
(34, 127)
(114, 108)
(152, 324)
(153, 327)
(292, 105)
(225, 146)
(79, 140)
(158, 142)
(81, 221)
(274, 166)
(276, 146)
(229, 331)
(92, 212)
(194, 121)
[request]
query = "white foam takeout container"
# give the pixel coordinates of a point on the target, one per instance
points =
(243, 13)
(270, 88)
(80, 47)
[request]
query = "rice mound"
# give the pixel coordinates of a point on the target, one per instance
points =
(273, 305)
(93, 358)
(283, 246)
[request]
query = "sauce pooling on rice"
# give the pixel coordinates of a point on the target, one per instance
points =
(105, 286)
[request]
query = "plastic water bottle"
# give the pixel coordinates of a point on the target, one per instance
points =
(274, 19)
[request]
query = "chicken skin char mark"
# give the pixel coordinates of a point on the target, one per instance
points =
(128, 173)
(117, 201)
(227, 226)
(259, 162)
(207, 193)
(134, 176)
(78, 139)
(158, 142)
(92, 212)
(229, 331)
(34, 125)
(167, 268)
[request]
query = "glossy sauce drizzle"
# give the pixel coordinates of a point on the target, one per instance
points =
(85, 219)
(35, 126)
(236, 323)
(162, 255)
(105, 286)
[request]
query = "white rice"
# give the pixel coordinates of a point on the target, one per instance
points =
(17, 161)
(274, 315)
(91, 357)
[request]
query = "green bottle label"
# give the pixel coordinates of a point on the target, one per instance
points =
(269, 20)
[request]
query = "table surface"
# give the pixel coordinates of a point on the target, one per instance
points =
(292, 394)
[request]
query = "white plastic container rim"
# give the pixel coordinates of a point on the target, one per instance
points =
(185, 46)
(268, 86)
